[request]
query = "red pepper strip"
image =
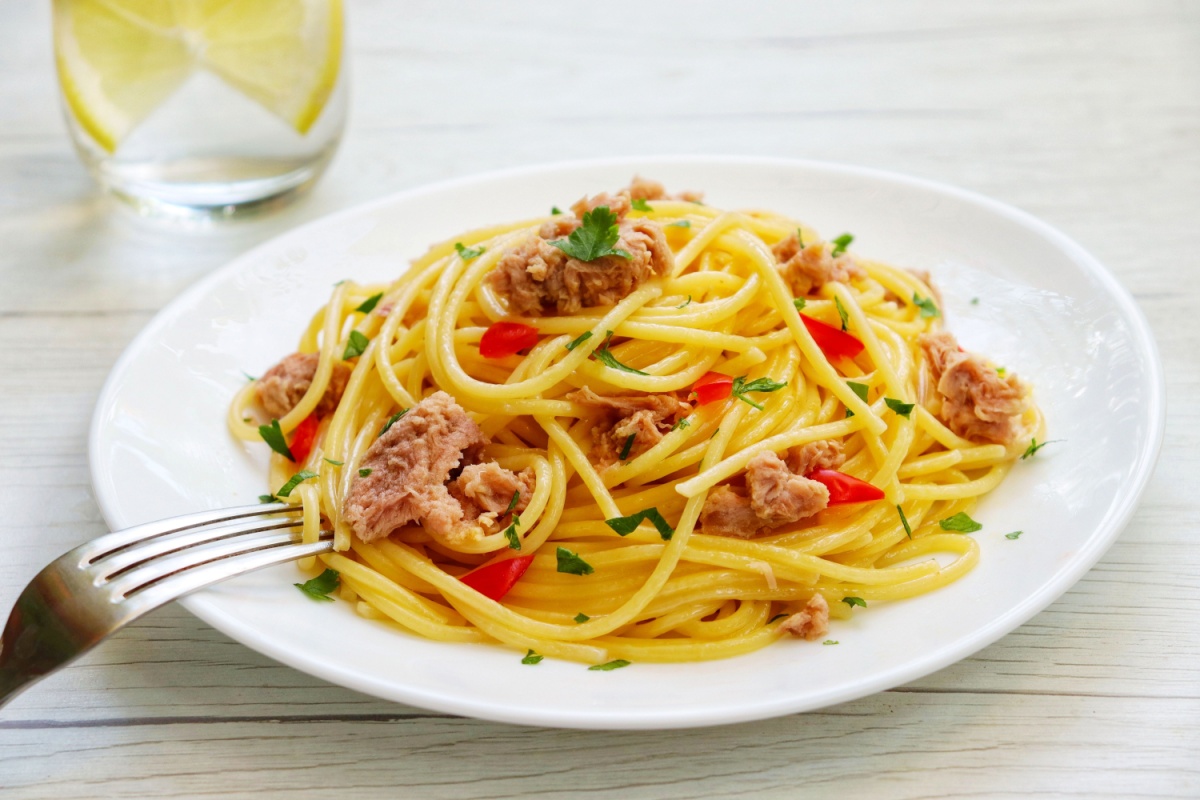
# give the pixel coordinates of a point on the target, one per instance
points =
(711, 387)
(494, 580)
(304, 437)
(834, 343)
(506, 338)
(844, 489)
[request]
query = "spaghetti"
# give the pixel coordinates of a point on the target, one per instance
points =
(624, 549)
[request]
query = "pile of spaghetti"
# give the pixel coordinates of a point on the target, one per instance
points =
(647, 430)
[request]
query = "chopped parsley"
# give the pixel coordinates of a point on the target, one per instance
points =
(578, 340)
(362, 473)
(392, 420)
(318, 588)
(775, 618)
(859, 389)
(960, 523)
(681, 424)
(609, 666)
(355, 347)
(594, 238)
(903, 409)
(571, 563)
(841, 309)
(329, 460)
(267, 498)
(516, 498)
(830, 641)
(510, 533)
(640, 204)
(904, 521)
(741, 386)
(1001, 371)
(555, 211)
(799, 303)
(627, 446)
(1013, 535)
(294, 481)
(467, 253)
(928, 309)
(800, 237)
(683, 223)
(841, 243)
(532, 658)
(249, 377)
(686, 303)
(605, 357)
(974, 301)
(273, 435)
(369, 304)
(854, 601)
(1030, 451)
(581, 618)
(627, 525)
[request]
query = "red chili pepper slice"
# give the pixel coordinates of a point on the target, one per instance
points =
(845, 489)
(506, 338)
(495, 579)
(711, 387)
(304, 437)
(834, 342)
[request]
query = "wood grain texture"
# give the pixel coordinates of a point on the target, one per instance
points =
(1084, 113)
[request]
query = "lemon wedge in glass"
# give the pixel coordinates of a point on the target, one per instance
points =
(118, 60)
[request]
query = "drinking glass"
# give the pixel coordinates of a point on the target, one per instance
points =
(202, 107)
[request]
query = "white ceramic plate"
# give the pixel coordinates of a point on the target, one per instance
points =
(1046, 309)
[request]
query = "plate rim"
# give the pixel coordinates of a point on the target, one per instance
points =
(1112, 524)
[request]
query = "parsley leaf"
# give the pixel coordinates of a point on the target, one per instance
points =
(639, 204)
(627, 446)
(362, 473)
(799, 303)
(594, 238)
(267, 498)
(929, 309)
(571, 563)
(682, 423)
(467, 253)
(609, 666)
(974, 301)
(904, 521)
(1029, 451)
(581, 618)
(294, 481)
(1013, 535)
(516, 498)
(369, 304)
(392, 420)
(903, 409)
(854, 601)
(249, 377)
(960, 523)
(841, 243)
(830, 641)
(355, 347)
(555, 210)
(510, 533)
(532, 658)
(578, 340)
(683, 223)
(800, 237)
(605, 357)
(741, 386)
(627, 525)
(776, 617)
(329, 460)
(318, 588)
(859, 389)
(841, 309)
(686, 303)
(273, 435)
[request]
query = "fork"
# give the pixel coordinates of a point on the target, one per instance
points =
(99, 587)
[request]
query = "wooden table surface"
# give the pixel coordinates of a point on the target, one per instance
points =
(1085, 113)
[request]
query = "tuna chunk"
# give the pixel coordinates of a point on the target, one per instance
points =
(647, 418)
(779, 496)
(537, 278)
(977, 403)
(808, 268)
(410, 466)
(283, 385)
(776, 493)
(811, 623)
(645, 189)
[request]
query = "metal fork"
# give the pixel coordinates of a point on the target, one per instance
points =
(99, 587)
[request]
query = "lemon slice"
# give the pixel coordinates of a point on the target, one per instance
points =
(118, 60)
